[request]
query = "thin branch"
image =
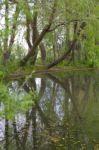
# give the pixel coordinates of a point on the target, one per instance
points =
(28, 23)
(28, 34)
(58, 25)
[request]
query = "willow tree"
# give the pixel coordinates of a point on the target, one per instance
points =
(64, 21)
(81, 24)
(31, 20)
(62, 30)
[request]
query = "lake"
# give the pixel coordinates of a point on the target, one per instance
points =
(50, 111)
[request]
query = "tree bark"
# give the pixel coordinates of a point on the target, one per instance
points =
(41, 36)
(71, 48)
(63, 56)
(8, 45)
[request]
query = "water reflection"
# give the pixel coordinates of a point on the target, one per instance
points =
(65, 115)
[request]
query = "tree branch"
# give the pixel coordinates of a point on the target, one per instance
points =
(41, 36)
(14, 26)
(63, 56)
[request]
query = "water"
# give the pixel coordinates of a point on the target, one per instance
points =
(62, 112)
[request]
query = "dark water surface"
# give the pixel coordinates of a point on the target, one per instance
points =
(57, 111)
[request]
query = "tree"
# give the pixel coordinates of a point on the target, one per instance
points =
(52, 30)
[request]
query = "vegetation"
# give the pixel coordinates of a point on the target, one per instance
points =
(48, 33)
(51, 111)
(62, 114)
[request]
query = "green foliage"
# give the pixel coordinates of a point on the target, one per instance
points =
(90, 45)
(18, 22)
(14, 103)
(1, 74)
(12, 64)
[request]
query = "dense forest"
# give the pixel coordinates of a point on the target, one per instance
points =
(48, 33)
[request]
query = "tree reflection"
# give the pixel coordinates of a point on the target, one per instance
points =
(57, 118)
(6, 134)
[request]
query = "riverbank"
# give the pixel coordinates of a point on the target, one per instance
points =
(22, 73)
